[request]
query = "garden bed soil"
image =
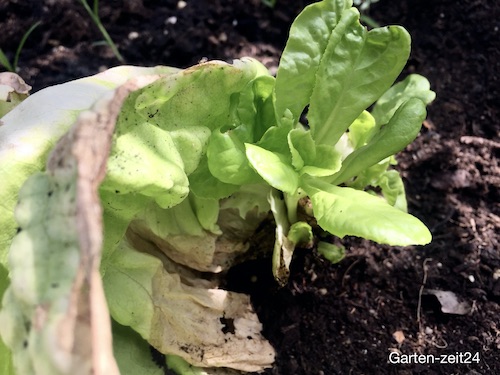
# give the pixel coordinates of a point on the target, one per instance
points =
(348, 317)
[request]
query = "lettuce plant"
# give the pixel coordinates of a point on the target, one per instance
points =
(125, 193)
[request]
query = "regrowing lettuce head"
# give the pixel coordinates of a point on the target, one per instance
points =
(122, 191)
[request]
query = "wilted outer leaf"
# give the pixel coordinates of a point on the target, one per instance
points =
(54, 315)
(30, 131)
(179, 315)
(288, 236)
(13, 90)
(204, 234)
(179, 233)
(140, 292)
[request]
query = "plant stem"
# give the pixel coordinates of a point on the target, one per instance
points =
(369, 21)
(291, 203)
(94, 14)
(21, 43)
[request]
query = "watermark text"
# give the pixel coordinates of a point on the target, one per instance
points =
(441, 359)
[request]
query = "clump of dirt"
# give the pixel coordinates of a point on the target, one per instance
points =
(348, 317)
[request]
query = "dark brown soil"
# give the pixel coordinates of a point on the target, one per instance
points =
(344, 318)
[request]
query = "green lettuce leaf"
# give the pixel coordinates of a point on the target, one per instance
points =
(137, 173)
(227, 159)
(204, 184)
(357, 68)
(344, 211)
(361, 129)
(6, 365)
(132, 352)
(307, 157)
(308, 39)
(273, 168)
(413, 86)
(181, 367)
(393, 189)
(255, 110)
(247, 199)
(203, 95)
(331, 252)
(393, 137)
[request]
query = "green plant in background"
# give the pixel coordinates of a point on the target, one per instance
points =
(4, 61)
(186, 165)
(269, 3)
(94, 14)
(363, 6)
